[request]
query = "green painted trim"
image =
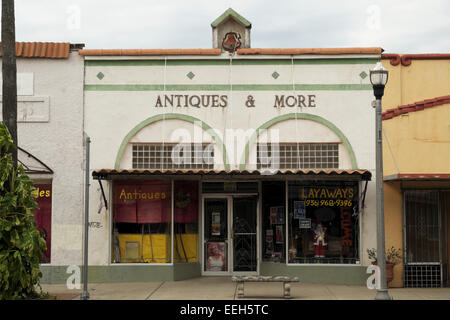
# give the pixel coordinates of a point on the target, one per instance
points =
(167, 116)
(124, 273)
(305, 116)
(234, 14)
(130, 273)
(332, 274)
(224, 62)
(183, 271)
(327, 274)
(226, 87)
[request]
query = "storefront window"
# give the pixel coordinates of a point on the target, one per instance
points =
(142, 222)
(323, 222)
(274, 224)
(186, 221)
(43, 217)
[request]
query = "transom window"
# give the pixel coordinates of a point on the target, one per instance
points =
(297, 156)
(173, 156)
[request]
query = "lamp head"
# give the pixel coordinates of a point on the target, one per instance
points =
(378, 79)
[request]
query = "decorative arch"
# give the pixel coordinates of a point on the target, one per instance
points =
(297, 116)
(168, 116)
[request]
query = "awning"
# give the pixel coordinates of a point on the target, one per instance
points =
(107, 174)
(418, 177)
(31, 164)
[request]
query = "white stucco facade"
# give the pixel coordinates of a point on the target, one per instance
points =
(127, 93)
(232, 101)
(50, 127)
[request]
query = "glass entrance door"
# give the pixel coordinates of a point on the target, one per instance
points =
(244, 234)
(216, 235)
(229, 234)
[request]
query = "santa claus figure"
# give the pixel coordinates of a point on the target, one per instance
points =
(320, 241)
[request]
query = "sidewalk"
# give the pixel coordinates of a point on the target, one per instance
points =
(222, 288)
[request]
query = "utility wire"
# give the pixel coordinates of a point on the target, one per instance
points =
(390, 150)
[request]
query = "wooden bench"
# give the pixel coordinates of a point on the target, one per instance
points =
(284, 279)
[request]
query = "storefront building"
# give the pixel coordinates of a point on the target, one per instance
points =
(235, 160)
(230, 160)
(416, 157)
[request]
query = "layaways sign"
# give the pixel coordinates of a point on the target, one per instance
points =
(221, 101)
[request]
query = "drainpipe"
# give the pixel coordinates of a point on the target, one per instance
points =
(85, 294)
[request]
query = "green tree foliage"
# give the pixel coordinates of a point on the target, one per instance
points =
(21, 245)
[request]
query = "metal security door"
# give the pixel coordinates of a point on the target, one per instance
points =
(244, 234)
(423, 239)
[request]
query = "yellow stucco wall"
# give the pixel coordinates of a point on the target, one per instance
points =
(417, 138)
(423, 79)
(417, 142)
(393, 223)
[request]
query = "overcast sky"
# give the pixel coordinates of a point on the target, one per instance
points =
(398, 26)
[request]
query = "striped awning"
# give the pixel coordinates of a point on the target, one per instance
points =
(104, 174)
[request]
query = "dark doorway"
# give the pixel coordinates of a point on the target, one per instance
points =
(244, 234)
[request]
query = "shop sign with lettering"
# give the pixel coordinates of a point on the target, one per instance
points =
(221, 101)
(329, 197)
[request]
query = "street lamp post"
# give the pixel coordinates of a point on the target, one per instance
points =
(378, 78)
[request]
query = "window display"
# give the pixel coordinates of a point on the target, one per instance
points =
(43, 217)
(186, 221)
(273, 218)
(320, 241)
(142, 221)
(323, 225)
(216, 260)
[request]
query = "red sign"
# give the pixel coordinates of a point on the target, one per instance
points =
(186, 201)
(43, 216)
(346, 226)
(142, 202)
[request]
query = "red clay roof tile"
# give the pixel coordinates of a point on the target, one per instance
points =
(299, 51)
(249, 51)
(103, 173)
(406, 59)
(417, 106)
(148, 52)
(48, 50)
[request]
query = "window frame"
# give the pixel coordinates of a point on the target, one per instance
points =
(303, 158)
(149, 163)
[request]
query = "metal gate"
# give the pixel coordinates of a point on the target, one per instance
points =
(423, 232)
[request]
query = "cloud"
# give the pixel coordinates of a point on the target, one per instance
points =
(398, 26)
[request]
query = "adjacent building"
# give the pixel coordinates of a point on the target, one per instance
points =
(50, 140)
(416, 166)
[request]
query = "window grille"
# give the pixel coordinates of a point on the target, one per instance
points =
(422, 276)
(422, 239)
(298, 156)
(173, 156)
